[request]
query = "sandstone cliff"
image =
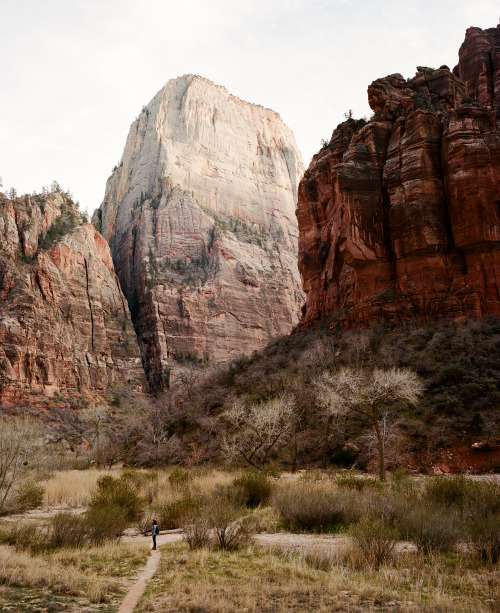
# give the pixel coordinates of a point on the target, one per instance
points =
(200, 218)
(400, 216)
(64, 323)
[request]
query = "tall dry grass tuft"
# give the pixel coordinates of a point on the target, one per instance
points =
(72, 488)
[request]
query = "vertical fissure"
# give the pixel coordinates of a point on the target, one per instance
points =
(90, 302)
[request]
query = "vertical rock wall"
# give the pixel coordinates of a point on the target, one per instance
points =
(200, 217)
(64, 323)
(400, 217)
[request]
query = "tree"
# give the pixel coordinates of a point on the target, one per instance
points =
(257, 429)
(95, 416)
(371, 394)
(19, 440)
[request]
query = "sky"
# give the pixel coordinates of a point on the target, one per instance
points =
(75, 73)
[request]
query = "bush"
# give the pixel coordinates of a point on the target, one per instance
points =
(484, 536)
(255, 487)
(197, 532)
(375, 539)
(307, 508)
(117, 493)
(353, 482)
(431, 529)
(176, 513)
(29, 495)
(231, 532)
(449, 491)
(105, 523)
(67, 530)
(178, 478)
(27, 535)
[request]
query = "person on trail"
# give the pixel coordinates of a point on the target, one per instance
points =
(154, 531)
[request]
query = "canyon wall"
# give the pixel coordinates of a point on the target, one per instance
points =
(65, 326)
(399, 217)
(200, 218)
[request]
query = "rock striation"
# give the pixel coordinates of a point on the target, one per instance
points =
(200, 218)
(64, 323)
(400, 216)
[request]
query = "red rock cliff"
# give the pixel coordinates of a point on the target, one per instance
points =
(64, 323)
(400, 216)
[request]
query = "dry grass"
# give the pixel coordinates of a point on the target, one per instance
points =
(72, 488)
(267, 582)
(94, 572)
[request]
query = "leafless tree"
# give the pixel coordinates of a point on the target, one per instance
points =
(95, 416)
(371, 394)
(257, 429)
(20, 438)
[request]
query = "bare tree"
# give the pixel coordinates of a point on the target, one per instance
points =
(19, 440)
(371, 394)
(95, 416)
(257, 429)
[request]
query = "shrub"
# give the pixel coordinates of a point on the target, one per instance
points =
(484, 499)
(255, 487)
(353, 482)
(117, 493)
(307, 508)
(29, 495)
(484, 536)
(67, 530)
(27, 535)
(145, 522)
(105, 523)
(178, 478)
(449, 491)
(176, 513)
(197, 532)
(375, 539)
(231, 531)
(431, 529)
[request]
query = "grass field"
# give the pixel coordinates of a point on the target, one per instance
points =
(253, 580)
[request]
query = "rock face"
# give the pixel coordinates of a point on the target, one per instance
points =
(64, 323)
(400, 217)
(200, 218)
(479, 66)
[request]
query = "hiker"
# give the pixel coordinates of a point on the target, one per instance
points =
(154, 531)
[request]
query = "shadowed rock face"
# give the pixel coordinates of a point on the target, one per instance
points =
(479, 66)
(64, 322)
(200, 218)
(400, 217)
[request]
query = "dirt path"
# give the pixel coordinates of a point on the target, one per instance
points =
(137, 590)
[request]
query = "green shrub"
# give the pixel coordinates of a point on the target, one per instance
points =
(29, 495)
(450, 491)
(178, 478)
(353, 482)
(175, 514)
(27, 535)
(255, 487)
(483, 533)
(117, 493)
(375, 539)
(306, 508)
(105, 523)
(432, 529)
(67, 530)
(484, 499)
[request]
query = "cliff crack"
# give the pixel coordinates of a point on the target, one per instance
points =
(90, 303)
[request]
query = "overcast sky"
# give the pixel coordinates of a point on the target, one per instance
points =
(75, 73)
